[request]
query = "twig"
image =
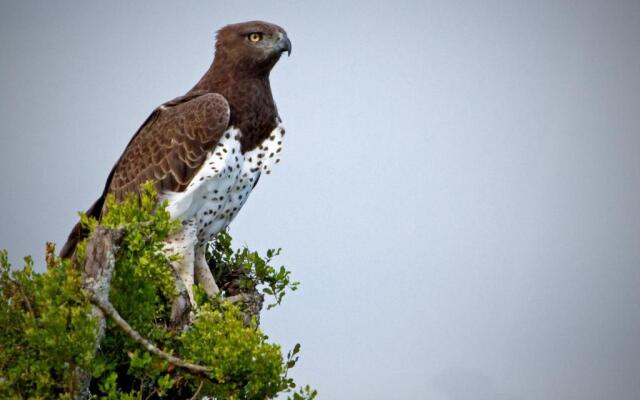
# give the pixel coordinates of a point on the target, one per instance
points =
(238, 298)
(107, 309)
(50, 255)
(154, 391)
(195, 395)
(24, 296)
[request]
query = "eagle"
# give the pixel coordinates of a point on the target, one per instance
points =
(206, 150)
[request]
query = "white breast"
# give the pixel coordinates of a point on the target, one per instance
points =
(224, 182)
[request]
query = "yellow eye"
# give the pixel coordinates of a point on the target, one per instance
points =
(255, 37)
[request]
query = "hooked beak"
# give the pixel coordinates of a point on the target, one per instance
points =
(284, 44)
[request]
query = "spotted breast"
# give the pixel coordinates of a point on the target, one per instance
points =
(222, 185)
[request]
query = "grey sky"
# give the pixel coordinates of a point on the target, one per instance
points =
(459, 188)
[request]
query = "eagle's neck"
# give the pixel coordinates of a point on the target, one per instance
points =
(253, 110)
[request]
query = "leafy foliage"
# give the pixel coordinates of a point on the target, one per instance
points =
(243, 269)
(48, 334)
(45, 331)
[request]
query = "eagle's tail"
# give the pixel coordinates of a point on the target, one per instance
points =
(78, 233)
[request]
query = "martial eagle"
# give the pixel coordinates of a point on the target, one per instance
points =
(206, 150)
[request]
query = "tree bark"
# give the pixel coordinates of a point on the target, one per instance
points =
(96, 279)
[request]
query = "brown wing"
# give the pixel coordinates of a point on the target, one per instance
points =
(172, 145)
(169, 148)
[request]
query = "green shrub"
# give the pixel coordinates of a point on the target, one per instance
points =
(47, 333)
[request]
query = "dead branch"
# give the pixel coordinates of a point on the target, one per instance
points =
(124, 326)
(98, 269)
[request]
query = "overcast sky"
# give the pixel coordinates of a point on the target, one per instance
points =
(459, 189)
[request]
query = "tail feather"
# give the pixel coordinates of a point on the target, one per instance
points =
(78, 233)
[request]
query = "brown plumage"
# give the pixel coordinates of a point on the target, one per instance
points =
(173, 143)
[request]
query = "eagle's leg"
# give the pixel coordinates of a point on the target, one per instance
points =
(183, 243)
(203, 273)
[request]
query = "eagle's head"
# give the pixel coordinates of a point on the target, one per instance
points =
(252, 47)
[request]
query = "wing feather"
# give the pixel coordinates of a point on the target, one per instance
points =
(168, 149)
(172, 146)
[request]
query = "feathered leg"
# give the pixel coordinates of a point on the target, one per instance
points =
(203, 274)
(183, 243)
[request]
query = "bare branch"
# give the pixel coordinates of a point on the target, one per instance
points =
(25, 299)
(100, 261)
(107, 309)
(96, 279)
(195, 395)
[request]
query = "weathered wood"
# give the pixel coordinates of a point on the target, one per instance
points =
(111, 312)
(96, 280)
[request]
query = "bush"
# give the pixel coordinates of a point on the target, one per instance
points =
(48, 333)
